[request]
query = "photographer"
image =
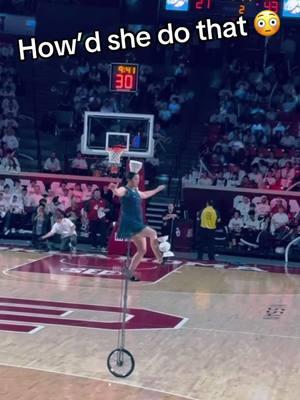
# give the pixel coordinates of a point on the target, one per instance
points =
(169, 218)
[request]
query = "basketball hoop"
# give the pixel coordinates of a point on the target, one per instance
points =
(115, 154)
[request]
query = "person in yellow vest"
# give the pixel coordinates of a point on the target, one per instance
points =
(208, 224)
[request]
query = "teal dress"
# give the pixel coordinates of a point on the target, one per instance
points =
(131, 218)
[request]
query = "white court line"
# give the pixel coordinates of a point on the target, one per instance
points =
(37, 329)
(7, 270)
(241, 333)
(183, 322)
(173, 271)
(66, 314)
(82, 376)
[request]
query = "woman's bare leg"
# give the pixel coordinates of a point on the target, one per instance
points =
(152, 235)
(141, 248)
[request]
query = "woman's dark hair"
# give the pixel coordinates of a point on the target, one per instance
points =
(131, 175)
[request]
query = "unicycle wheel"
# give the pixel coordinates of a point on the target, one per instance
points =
(120, 363)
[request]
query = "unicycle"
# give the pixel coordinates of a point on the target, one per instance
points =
(120, 361)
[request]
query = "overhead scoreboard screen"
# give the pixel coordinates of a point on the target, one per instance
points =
(124, 77)
(197, 9)
(291, 9)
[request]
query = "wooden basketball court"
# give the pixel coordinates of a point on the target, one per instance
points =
(205, 332)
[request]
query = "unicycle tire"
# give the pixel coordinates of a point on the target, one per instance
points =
(120, 363)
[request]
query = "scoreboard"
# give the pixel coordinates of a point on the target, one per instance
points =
(124, 77)
(197, 9)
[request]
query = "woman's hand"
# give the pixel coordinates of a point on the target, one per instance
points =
(112, 186)
(161, 188)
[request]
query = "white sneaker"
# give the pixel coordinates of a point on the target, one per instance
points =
(13, 230)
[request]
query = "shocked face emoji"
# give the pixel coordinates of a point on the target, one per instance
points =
(267, 23)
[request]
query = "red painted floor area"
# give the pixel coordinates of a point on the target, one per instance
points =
(98, 267)
(21, 316)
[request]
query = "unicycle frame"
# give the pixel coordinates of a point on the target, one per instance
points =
(125, 298)
(122, 353)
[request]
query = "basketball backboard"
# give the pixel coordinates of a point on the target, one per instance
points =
(103, 130)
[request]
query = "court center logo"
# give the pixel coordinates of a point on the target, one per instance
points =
(31, 316)
(177, 5)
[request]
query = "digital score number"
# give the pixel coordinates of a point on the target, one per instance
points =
(124, 77)
(247, 7)
(225, 8)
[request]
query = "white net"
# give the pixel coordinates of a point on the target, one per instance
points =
(114, 155)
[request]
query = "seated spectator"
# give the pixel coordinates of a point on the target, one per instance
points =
(244, 207)
(235, 227)
(79, 165)
(9, 139)
(251, 230)
(78, 193)
(174, 106)
(233, 181)
(278, 203)
(4, 207)
(15, 214)
(247, 183)
(98, 168)
(279, 221)
(262, 207)
(65, 200)
(88, 191)
(288, 141)
(205, 179)
(255, 176)
(7, 193)
(52, 164)
(36, 196)
(12, 166)
(164, 114)
(220, 179)
(32, 186)
(270, 179)
(10, 163)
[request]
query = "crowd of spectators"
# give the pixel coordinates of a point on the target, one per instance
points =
(9, 111)
(30, 207)
(253, 137)
(264, 223)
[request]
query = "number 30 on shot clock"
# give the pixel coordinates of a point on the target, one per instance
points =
(124, 77)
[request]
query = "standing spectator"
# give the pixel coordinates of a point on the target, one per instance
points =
(52, 164)
(96, 209)
(208, 226)
(41, 222)
(169, 218)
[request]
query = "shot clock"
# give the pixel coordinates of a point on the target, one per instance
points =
(124, 77)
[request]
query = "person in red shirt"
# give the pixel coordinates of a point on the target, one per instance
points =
(97, 209)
